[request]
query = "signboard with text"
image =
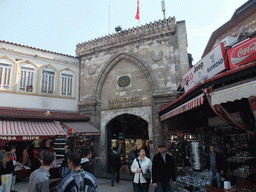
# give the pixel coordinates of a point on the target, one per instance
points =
(242, 53)
(213, 63)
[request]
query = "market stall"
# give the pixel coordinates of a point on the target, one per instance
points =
(217, 108)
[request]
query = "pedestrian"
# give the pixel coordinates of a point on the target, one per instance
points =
(25, 156)
(216, 165)
(64, 166)
(7, 173)
(2, 154)
(114, 165)
(140, 166)
(163, 170)
(39, 179)
(78, 180)
(14, 159)
(131, 156)
(86, 164)
(35, 160)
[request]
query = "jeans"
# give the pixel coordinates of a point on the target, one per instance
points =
(163, 187)
(218, 178)
(6, 183)
(141, 187)
(64, 171)
(117, 174)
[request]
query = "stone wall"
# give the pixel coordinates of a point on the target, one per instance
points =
(135, 71)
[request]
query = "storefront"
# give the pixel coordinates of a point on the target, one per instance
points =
(81, 135)
(40, 130)
(219, 110)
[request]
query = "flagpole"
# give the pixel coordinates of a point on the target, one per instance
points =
(109, 22)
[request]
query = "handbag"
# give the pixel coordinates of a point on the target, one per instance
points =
(146, 175)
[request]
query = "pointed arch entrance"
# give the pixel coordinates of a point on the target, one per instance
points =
(109, 119)
(125, 129)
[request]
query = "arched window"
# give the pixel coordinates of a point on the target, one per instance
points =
(6, 74)
(47, 80)
(67, 83)
(26, 77)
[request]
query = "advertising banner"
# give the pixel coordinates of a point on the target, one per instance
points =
(242, 53)
(213, 63)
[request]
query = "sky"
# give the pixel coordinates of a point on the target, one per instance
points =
(59, 25)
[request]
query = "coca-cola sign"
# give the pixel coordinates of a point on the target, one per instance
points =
(242, 53)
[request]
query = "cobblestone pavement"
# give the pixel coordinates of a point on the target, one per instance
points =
(103, 186)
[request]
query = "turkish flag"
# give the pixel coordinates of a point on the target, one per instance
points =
(137, 16)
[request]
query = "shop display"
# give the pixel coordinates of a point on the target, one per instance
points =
(195, 154)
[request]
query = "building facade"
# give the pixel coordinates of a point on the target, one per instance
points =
(37, 79)
(124, 80)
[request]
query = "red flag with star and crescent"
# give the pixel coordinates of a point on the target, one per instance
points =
(137, 16)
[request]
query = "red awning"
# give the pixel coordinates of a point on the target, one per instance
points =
(193, 103)
(83, 128)
(29, 130)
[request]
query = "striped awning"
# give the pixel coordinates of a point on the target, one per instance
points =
(193, 103)
(29, 130)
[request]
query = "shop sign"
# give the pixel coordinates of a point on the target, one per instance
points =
(124, 102)
(13, 138)
(87, 134)
(6, 138)
(242, 53)
(30, 137)
(213, 63)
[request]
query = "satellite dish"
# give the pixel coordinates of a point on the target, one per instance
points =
(118, 28)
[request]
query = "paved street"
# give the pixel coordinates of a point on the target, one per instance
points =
(103, 186)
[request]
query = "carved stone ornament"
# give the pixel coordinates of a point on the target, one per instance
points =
(157, 55)
(92, 70)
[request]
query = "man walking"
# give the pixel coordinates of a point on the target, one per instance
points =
(163, 170)
(131, 156)
(64, 166)
(78, 179)
(39, 179)
(216, 165)
(114, 165)
(86, 164)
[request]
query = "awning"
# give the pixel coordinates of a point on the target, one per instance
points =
(193, 103)
(83, 128)
(29, 130)
(233, 93)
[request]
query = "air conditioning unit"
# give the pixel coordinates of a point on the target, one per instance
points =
(227, 41)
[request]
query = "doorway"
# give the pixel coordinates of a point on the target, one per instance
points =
(125, 129)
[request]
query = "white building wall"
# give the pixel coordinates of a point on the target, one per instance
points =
(17, 56)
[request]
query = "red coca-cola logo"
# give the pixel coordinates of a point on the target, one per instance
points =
(248, 50)
(243, 51)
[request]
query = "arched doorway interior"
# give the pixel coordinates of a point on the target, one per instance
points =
(125, 129)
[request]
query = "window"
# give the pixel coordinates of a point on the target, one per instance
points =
(66, 84)
(47, 81)
(26, 79)
(5, 75)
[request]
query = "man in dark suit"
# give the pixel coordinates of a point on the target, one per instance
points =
(163, 170)
(114, 165)
(64, 166)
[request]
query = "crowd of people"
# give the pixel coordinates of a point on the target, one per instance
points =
(77, 169)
